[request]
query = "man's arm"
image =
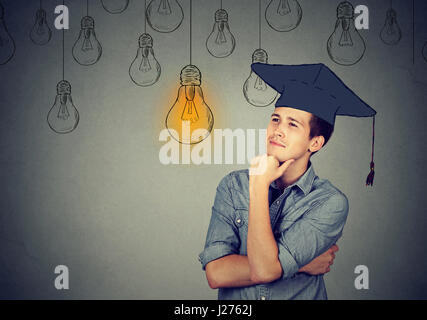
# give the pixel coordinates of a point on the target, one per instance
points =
(234, 271)
(263, 253)
(229, 271)
(224, 266)
(262, 247)
(304, 244)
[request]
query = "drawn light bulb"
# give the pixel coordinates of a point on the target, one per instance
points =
(190, 120)
(425, 51)
(7, 45)
(115, 6)
(63, 117)
(40, 33)
(164, 15)
(256, 91)
(283, 15)
(87, 50)
(145, 69)
(391, 33)
(221, 42)
(345, 45)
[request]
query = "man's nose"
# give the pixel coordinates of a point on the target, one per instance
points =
(279, 133)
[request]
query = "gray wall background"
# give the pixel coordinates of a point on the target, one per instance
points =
(99, 201)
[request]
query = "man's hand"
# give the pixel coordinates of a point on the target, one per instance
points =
(322, 263)
(265, 169)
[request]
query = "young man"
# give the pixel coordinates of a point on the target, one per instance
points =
(274, 227)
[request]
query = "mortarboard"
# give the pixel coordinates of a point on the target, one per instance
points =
(314, 88)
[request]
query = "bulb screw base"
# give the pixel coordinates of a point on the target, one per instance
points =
(190, 76)
(41, 14)
(145, 40)
(221, 15)
(88, 22)
(345, 10)
(260, 55)
(63, 87)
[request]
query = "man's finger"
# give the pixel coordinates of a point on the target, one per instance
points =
(285, 165)
(334, 248)
(255, 160)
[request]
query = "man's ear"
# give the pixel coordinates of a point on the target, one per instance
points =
(316, 143)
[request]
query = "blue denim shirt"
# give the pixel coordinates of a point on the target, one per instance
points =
(307, 219)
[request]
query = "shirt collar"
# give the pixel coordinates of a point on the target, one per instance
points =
(305, 182)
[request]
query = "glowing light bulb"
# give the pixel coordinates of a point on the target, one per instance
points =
(283, 15)
(190, 120)
(221, 42)
(345, 45)
(63, 117)
(145, 69)
(391, 33)
(40, 33)
(256, 91)
(164, 15)
(87, 50)
(7, 45)
(425, 51)
(115, 6)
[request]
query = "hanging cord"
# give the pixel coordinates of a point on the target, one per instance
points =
(259, 25)
(87, 7)
(191, 14)
(40, 4)
(370, 178)
(63, 48)
(221, 4)
(413, 31)
(145, 16)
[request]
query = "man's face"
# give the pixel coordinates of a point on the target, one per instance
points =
(288, 134)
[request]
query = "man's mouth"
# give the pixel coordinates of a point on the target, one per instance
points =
(275, 143)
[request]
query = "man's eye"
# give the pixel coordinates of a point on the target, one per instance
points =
(275, 119)
(292, 124)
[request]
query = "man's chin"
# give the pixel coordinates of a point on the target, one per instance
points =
(279, 157)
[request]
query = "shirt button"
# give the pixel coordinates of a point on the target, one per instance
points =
(238, 220)
(262, 298)
(277, 202)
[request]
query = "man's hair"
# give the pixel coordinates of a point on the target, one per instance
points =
(319, 127)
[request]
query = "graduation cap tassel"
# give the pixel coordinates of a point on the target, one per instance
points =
(370, 178)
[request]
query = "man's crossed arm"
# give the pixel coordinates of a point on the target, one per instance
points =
(262, 264)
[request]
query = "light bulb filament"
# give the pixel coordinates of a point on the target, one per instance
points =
(87, 44)
(63, 110)
(345, 39)
(220, 38)
(40, 29)
(164, 8)
(283, 8)
(145, 63)
(390, 26)
(190, 112)
(260, 84)
(390, 30)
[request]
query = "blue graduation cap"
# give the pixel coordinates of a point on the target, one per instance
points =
(314, 88)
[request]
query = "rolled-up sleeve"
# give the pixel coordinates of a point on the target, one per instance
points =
(311, 235)
(223, 237)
